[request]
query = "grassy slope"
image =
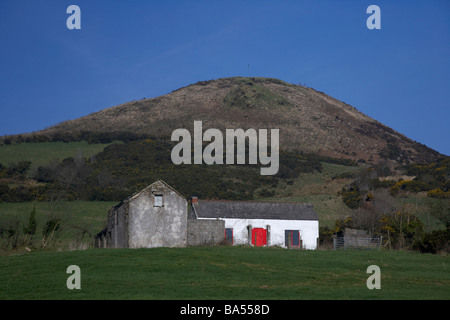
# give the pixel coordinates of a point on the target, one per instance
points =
(42, 153)
(76, 216)
(90, 216)
(224, 273)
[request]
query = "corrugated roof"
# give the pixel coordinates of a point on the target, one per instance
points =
(255, 210)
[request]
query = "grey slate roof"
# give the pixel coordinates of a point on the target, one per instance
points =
(255, 210)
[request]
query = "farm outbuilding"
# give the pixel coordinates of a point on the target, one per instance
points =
(153, 217)
(156, 216)
(159, 216)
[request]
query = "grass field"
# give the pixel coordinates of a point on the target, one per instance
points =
(42, 153)
(224, 273)
(76, 217)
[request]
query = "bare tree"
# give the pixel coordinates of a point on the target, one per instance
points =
(376, 205)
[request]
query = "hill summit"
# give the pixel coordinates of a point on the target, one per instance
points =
(309, 121)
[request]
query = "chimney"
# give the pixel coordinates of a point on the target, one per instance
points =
(194, 203)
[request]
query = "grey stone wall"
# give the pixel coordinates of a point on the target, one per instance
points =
(146, 221)
(115, 235)
(157, 226)
(205, 232)
(117, 226)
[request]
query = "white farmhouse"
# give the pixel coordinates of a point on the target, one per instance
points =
(263, 223)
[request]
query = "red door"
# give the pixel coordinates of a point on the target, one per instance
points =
(259, 237)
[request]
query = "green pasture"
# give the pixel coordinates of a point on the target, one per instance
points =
(223, 273)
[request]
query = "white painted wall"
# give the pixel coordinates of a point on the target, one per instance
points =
(309, 230)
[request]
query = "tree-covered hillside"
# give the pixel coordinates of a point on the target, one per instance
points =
(124, 168)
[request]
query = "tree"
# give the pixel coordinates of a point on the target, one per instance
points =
(440, 209)
(9, 234)
(403, 228)
(30, 229)
(51, 230)
(352, 196)
(18, 170)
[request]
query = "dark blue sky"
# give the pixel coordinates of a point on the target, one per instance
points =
(127, 50)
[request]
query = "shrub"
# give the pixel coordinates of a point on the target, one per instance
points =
(264, 193)
(439, 193)
(351, 196)
(409, 185)
(403, 229)
(435, 242)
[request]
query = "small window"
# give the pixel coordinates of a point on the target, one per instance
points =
(158, 200)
